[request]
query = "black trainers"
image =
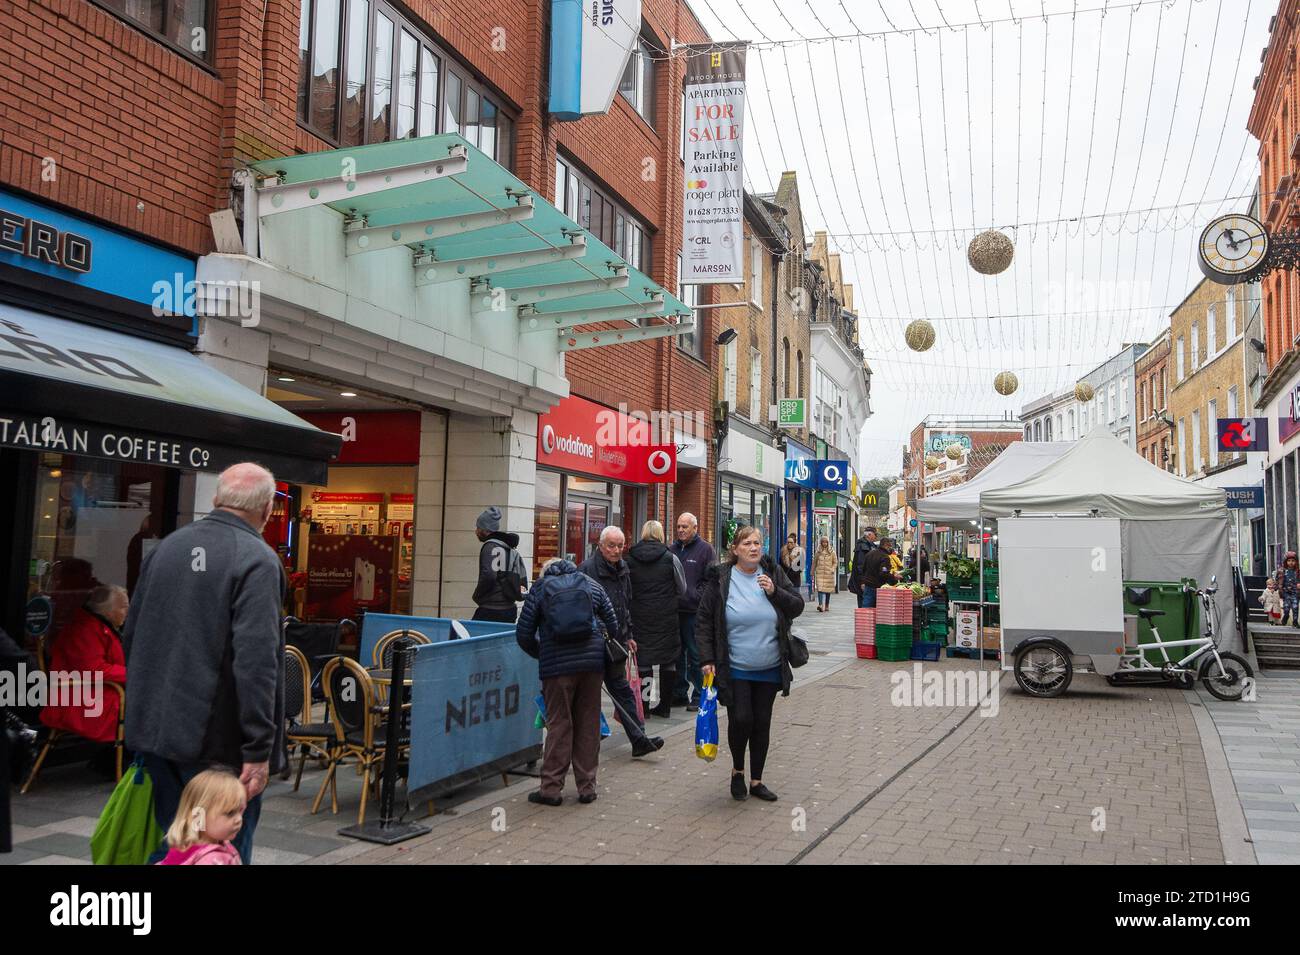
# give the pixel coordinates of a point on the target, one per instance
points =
(758, 790)
(647, 745)
(538, 798)
(586, 798)
(738, 790)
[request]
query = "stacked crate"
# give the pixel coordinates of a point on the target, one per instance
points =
(893, 624)
(864, 632)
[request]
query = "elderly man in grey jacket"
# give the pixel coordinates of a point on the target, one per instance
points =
(205, 651)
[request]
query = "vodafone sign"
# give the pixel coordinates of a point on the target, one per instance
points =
(581, 436)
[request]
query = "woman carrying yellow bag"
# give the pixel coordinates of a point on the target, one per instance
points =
(743, 632)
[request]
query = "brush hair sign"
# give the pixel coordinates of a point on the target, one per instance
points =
(590, 43)
(714, 122)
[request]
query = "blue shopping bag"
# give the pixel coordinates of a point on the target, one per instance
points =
(706, 722)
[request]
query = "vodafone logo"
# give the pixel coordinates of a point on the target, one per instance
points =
(568, 444)
(659, 462)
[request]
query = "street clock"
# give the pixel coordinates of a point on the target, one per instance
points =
(1233, 249)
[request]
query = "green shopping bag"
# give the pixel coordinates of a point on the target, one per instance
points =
(127, 833)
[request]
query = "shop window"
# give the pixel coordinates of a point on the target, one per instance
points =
(94, 522)
(184, 25)
(546, 520)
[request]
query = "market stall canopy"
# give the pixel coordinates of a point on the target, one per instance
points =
(465, 217)
(71, 388)
(1103, 473)
(1018, 461)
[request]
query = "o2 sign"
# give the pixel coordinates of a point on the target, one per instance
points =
(832, 475)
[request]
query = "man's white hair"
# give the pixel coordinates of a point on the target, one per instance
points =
(695, 522)
(610, 531)
(245, 487)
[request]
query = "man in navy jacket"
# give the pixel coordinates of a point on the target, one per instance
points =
(572, 672)
(696, 556)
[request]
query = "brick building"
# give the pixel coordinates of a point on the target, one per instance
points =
(1151, 373)
(144, 119)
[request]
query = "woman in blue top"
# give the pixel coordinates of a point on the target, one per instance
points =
(743, 632)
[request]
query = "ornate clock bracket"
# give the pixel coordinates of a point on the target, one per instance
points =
(1283, 254)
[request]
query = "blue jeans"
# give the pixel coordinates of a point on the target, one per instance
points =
(169, 781)
(868, 596)
(824, 598)
(688, 669)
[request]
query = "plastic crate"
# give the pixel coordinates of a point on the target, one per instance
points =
(900, 631)
(866, 651)
(926, 651)
(891, 655)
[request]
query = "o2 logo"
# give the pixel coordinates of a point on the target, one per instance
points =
(659, 463)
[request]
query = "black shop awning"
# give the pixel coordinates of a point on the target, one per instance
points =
(76, 389)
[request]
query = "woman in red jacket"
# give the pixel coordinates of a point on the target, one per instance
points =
(91, 644)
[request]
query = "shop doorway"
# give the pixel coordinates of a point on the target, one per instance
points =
(584, 519)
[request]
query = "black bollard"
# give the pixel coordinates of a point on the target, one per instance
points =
(388, 830)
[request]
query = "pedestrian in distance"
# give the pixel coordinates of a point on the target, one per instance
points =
(865, 545)
(744, 634)
(502, 575)
(563, 625)
(1272, 602)
(696, 556)
(876, 572)
(210, 815)
(607, 568)
(658, 584)
(792, 560)
(825, 567)
(205, 652)
(1288, 587)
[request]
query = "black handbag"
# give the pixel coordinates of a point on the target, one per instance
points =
(798, 653)
(615, 652)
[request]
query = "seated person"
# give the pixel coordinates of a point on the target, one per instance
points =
(91, 643)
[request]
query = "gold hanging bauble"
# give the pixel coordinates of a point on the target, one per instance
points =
(931, 461)
(953, 451)
(1005, 383)
(1084, 391)
(990, 252)
(919, 335)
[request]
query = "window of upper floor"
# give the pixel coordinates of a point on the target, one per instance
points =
(367, 73)
(187, 26)
(592, 208)
(637, 84)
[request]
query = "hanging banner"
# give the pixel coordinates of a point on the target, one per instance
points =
(713, 120)
(590, 43)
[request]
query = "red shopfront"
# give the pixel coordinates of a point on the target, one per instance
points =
(594, 467)
(349, 545)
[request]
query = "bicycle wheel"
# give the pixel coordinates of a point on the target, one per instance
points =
(1044, 670)
(1230, 683)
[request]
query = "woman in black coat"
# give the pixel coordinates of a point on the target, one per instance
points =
(658, 582)
(743, 631)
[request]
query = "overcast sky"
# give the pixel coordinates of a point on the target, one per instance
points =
(908, 144)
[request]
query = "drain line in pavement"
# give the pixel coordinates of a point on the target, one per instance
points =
(803, 853)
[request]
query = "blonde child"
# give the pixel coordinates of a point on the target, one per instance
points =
(1272, 601)
(210, 814)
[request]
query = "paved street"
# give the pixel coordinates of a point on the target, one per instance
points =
(1102, 775)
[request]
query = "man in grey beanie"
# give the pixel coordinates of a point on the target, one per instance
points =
(502, 576)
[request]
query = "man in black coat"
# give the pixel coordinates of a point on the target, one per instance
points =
(866, 544)
(876, 572)
(607, 568)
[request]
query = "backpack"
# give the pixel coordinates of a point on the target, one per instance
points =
(567, 609)
(512, 582)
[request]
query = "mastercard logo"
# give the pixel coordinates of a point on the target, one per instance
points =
(696, 183)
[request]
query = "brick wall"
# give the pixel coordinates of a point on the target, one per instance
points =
(1151, 400)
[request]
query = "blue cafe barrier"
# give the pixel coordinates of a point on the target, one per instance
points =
(437, 629)
(472, 712)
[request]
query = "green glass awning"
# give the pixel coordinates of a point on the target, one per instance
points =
(466, 217)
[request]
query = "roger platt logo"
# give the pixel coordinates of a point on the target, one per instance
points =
(659, 462)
